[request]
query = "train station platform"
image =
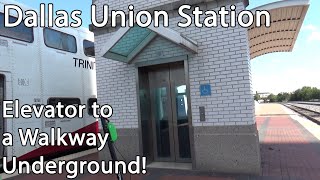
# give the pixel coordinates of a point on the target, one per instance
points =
(290, 150)
(290, 144)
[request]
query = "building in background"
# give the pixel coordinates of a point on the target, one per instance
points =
(263, 97)
(184, 95)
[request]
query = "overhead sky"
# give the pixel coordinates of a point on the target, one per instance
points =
(286, 72)
(274, 73)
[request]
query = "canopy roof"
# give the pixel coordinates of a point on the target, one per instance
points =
(128, 42)
(286, 21)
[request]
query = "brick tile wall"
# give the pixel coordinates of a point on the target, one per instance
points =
(222, 61)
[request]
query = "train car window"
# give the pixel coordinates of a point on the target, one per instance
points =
(20, 32)
(88, 48)
(59, 40)
(90, 103)
(64, 101)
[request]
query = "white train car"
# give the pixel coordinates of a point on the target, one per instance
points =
(44, 66)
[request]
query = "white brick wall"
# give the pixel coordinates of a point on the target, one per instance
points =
(160, 48)
(116, 85)
(222, 60)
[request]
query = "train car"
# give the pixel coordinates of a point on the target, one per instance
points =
(45, 66)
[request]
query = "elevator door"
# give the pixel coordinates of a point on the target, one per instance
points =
(169, 109)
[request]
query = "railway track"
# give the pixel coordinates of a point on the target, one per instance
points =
(310, 114)
(310, 103)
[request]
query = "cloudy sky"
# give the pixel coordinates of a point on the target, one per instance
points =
(278, 72)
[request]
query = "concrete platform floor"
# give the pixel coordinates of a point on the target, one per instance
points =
(290, 150)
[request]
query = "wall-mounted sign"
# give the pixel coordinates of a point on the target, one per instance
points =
(205, 90)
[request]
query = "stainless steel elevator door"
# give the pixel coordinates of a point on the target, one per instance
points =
(169, 109)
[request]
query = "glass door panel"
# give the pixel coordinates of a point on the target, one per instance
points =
(162, 122)
(182, 121)
(161, 114)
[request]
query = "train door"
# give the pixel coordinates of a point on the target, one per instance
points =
(2, 80)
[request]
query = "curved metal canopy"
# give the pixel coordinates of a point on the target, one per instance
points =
(286, 20)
